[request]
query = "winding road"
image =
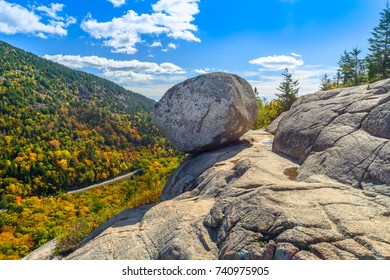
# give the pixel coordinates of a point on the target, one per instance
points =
(119, 178)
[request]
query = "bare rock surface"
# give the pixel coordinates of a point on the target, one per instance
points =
(45, 252)
(242, 206)
(207, 111)
(169, 230)
(343, 133)
(273, 127)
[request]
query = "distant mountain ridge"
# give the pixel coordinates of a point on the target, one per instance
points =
(62, 128)
(84, 85)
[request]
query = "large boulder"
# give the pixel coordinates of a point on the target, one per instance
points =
(206, 112)
(342, 133)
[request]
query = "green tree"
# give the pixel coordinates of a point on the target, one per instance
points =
(289, 91)
(337, 78)
(358, 66)
(267, 111)
(325, 83)
(352, 69)
(345, 66)
(379, 56)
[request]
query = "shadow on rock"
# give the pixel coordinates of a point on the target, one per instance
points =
(187, 176)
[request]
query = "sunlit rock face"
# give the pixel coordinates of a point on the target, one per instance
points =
(206, 112)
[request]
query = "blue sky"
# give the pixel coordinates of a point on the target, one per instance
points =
(148, 46)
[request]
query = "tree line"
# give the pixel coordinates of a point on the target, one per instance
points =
(355, 70)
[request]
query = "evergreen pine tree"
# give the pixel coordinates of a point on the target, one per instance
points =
(325, 83)
(345, 66)
(256, 92)
(337, 78)
(358, 67)
(379, 57)
(289, 91)
(352, 69)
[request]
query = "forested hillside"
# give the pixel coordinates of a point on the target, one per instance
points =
(61, 129)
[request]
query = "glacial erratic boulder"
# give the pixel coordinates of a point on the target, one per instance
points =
(206, 112)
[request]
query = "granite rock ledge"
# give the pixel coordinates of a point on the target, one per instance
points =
(243, 206)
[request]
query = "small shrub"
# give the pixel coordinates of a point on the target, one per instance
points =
(268, 111)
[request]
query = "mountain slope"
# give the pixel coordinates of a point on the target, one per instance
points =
(53, 78)
(62, 129)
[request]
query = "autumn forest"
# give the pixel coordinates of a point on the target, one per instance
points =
(61, 130)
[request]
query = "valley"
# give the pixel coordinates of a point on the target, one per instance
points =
(61, 131)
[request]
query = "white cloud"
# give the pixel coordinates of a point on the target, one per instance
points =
(200, 71)
(144, 77)
(17, 19)
(296, 55)
(117, 3)
(172, 46)
(122, 34)
(308, 76)
(170, 17)
(76, 61)
(177, 17)
(69, 21)
(148, 78)
(277, 62)
(156, 44)
(204, 70)
(126, 77)
(52, 10)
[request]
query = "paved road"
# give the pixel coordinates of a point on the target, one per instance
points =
(107, 182)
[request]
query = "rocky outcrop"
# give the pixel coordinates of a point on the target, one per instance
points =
(241, 205)
(45, 252)
(246, 201)
(273, 127)
(343, 133)
(205, 112)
